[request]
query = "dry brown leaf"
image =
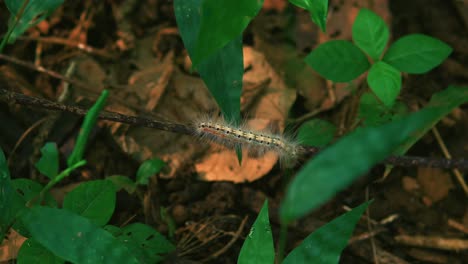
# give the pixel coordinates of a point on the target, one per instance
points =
(435, 183)
(278, 5)
(11, 245)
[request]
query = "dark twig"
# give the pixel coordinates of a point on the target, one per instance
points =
(18, 98)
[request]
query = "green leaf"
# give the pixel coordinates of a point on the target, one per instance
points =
(28, 190)
(24, 17)
(73, 237)
(442, 103)
(148, 169)
(338, 165)
(10, 201)
(338, 60)
(385, 81)
(48, 165)
(317, 8)
(122, 182)
(258, 245)
(147, 244)
(316, 133)
(114, 230)
(220, 23)
(88, 124)
(373, 113)
(222, 72)
(326, 243)
(94, 200)
(31, 252)
(417, 53)
(370, 33)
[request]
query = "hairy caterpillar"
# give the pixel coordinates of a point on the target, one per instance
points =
(231, 136)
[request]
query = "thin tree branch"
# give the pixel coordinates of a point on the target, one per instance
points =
(21, 99)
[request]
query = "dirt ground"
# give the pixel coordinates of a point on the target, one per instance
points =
(138, 55)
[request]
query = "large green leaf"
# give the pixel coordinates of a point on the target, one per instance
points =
(29, 190)
(370, 33)
(385, 81)
(23, 16)
(417, 53)
(338, 165)
(258, 245)
(48, 164)
(31, 252)
(222, 72)
(10, 201)
(94, 200)
(442, 104)
(74, 238)
(316, 133)
(326, 243)
(338, 60)
(220, 23)
(317, 8)
(147, 244)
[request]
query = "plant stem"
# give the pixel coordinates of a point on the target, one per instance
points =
(54, 181)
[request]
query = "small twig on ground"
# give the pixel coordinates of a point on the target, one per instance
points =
(230, 243)
(70, 43)
(447, 155)
(433, 242)
(457, 225)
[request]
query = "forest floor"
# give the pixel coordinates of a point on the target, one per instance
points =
(139, 57)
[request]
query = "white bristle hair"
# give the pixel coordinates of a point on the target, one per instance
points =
(259, 142)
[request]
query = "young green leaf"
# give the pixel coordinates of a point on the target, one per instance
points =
(326, 243)
(94, 200)
(338, 60)
(25, 14)
(417, 53)
(148, 169)
(48, 164)
(370, 33)
(222, 72)
(258, 245)
(372, 112)
(122, 182)
(442, 103)
(385, 81)
(316, 133)
(10, 201)
(31, 252)
(338, 165)
(145, 243)
(88, 124)
(317, 8)
(73, 237)
(222, 22)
